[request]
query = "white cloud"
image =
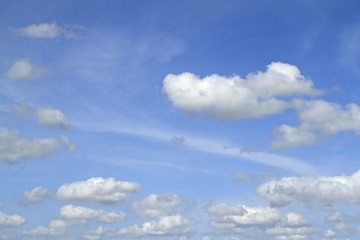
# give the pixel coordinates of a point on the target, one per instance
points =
(10, 220)
(97, 190)
(319, 119)
(294, 220)
(23, 69)
(311, 190)
(155, 205)
(97, 233)
(232, 97)
(242, 216)
(13, 146)
(41, 231)
(77, 212)
(36, 194)
(52, 118)
(64, 223)
(291, 233)
(166, 225)
(52, 30)
(71, 147)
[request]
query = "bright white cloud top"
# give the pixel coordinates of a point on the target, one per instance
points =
(233, 97)
(23, 69)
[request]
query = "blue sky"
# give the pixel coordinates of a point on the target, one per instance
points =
(210, 120)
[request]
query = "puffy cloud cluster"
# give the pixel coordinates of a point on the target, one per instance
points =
(318, 119)
(13, 146)
(232, 97)
(10, 220)
(97, 190)
(166, 225)
(239, 218)
(23, 69)
(311, 190)
(155, 205)
(52, 30)
(77, 212)
(97, 233)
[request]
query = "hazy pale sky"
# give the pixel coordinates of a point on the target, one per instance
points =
(179, 120)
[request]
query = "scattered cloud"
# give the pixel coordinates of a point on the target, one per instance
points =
(52, 30)
(166, 225)
(98, 190)
(154, 205)
(10, 220)
(23, 69)
(14, 147)
(240, 176)
(235, 98)
(311, 190)
(178, 141)
(97, 233)
(71, 147)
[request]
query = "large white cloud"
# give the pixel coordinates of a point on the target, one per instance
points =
(11, 220)
(23, 69)
(52, 118)
(232, 97)
(319, 119)
(155, 205)
(166, 225)
(52, 30)
(311, 190)
(97, 190)
(77, 212)
(13, 146)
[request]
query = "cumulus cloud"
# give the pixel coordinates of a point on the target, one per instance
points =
(232, 217)
(13, 146)
(155, 205)
(52, 30)
(52, 118)
(10, 220)
(319, 119)
(36, 194)
(23, 69)
(77, 212)
(97, 190)
(166, 225)
(311, 190)
(294, 220)
(233, 97)
(291, 233)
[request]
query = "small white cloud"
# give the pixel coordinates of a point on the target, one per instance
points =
(167, 225)
(71, 147)
(10, 220)
(13, 146)
(52, 30)
(240, 176)
(97, 233)
(154, 205)
(97, 190)
(36, 194)
(294, 220)
(295, 233)
(77, 212)
(52, 118)
(234, 98)
(23, 69)
(311, 190)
